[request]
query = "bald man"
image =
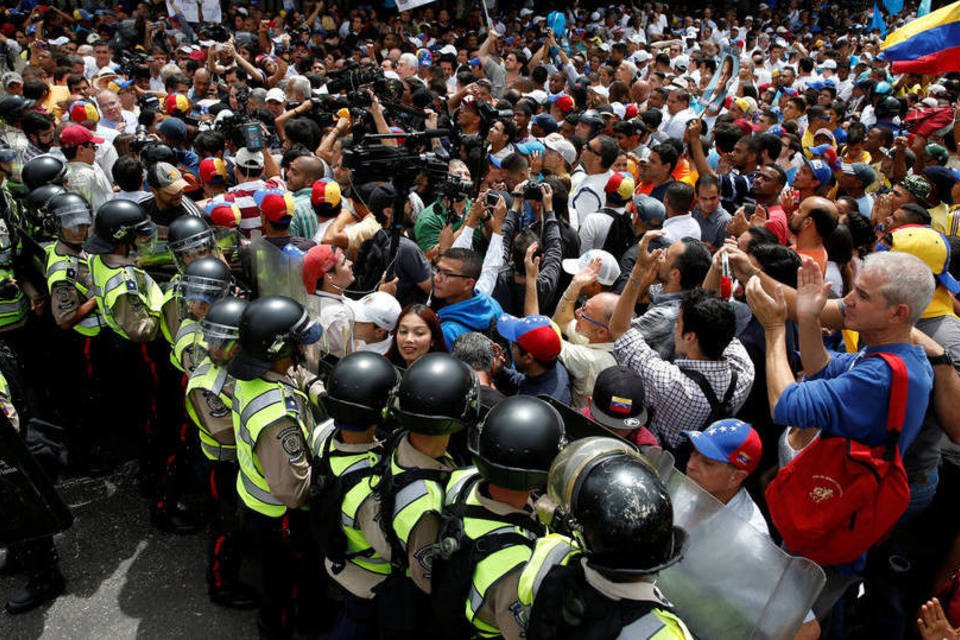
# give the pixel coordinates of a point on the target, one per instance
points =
(201, 85)
(811, 224)
(301, 174)
(587, 352)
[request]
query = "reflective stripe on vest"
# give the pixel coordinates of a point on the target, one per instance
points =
(12, 310)
(551, 550)
(210, 378)
(492, 569)
(109, 283)
(412, 502)
(189, 340)
(169, 297)
(659, 624)
(259, 404)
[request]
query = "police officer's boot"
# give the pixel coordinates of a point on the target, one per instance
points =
(10, 561)
(44, 583)
(166, 513)
(223, 581)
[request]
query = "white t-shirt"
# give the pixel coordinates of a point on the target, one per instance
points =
(680, 227)
(744, 506)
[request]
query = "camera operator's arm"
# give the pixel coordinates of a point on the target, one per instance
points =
(454, 101)
(325, 150)
(376, 110)
(493, 260)
(531, 267)
(430, 124)
(551, 244)
(270, 168)
(488, 44)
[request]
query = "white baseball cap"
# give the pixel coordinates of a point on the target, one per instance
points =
(276, 95)
(379, 307)
(609, 268)
(556, 142)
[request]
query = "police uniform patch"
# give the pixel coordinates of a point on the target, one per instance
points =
(65, 298)
(425, 559)
(291, 439)
(215, 405)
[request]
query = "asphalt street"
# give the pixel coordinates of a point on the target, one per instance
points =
(125, 579)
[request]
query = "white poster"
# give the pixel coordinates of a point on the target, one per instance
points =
(211, 11)
(407, 5)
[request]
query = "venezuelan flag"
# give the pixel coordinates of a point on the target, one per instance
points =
(930, 44)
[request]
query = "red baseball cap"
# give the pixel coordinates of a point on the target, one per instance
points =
(565, 103)
(213, 171)
(276, 204)
(319, 261)
(75, 135)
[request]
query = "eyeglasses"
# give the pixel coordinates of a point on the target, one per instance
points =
(444, 275)
(591, 150)
(579, 312)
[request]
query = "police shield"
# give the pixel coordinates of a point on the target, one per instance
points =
(714, 593)
(29, 506)
(279, 272)
(337, 319)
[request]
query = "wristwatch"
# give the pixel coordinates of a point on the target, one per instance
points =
(942, 359)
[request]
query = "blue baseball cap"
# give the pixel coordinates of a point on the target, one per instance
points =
(730, 440)
(546, 122)
(821, 171)
(529, 147)
(537, 335)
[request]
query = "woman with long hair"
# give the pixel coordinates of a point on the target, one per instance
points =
(418, 333)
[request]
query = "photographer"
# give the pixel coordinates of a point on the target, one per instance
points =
(543, 247)
(448, 211)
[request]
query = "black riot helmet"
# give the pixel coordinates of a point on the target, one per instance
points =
(36, 201)
(618, 505)
(188, 237)
(272, 328)
(438, 396)
(67, 210)
(205, 280)
(12, 107)
(221, 327)
(156, 152)
(517, 442)
(118, 222)
(359, 389)
(43, 170)
(888, 108)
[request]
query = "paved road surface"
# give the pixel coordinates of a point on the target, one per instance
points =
(125, 579)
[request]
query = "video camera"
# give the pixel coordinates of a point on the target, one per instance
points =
(130, 62)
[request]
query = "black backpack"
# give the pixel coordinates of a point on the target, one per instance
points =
(327, 491)
(457, 555)
(371, 263)
(620, 237)
(719, 409)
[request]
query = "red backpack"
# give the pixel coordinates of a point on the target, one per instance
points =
(839, 497)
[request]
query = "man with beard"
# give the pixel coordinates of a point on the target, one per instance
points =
(40, 133)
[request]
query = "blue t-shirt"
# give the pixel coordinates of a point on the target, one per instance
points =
(850, 396)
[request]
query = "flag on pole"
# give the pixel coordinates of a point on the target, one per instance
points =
(878, 24)
(928, 45)
(924, 8)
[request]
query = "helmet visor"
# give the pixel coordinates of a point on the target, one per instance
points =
(74, 218)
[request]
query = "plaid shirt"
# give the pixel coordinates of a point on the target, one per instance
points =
(676, 400)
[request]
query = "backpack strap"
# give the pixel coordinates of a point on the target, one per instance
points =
(897, 407)
(717, 407)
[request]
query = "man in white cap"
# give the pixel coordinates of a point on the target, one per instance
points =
(374, 320)
(560, 155)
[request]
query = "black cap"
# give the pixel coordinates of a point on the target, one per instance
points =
(618, 400)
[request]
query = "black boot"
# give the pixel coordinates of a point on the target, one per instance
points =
(174, 519)
(10, 563)
(45, 581)
(235, 596)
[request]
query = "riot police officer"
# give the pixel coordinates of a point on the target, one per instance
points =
(623, 514)
(203, 282)
(489, 520)
(38, 557)
(43, 170)
(273, 418)
(438, 396)
(209, 401)
(346, 452)
(188, 238)
(129, 301)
